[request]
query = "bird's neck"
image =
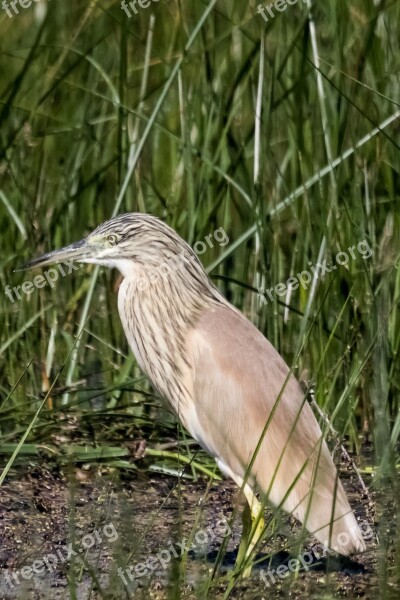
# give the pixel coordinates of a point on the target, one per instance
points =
(158, 308)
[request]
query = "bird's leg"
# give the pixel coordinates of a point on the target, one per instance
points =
(253, 527)
(246, 531)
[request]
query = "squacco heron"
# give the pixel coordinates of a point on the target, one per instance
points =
(226, 383)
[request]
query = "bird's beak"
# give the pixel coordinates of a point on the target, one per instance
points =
(78, 251)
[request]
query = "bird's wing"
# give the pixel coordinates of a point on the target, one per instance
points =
(243, 392)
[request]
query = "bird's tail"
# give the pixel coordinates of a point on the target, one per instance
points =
(308, 487)
(319, 501)
(335, 529)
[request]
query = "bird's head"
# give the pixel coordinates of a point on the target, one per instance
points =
(131, 242)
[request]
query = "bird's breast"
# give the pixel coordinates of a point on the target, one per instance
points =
(156, 342)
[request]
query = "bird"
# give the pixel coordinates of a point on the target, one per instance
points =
(223, 379)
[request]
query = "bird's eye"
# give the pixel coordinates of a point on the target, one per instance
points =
(112, 239)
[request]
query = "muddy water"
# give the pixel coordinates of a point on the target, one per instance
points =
(101, 534)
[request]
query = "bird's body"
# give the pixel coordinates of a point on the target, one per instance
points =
(226, 383)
